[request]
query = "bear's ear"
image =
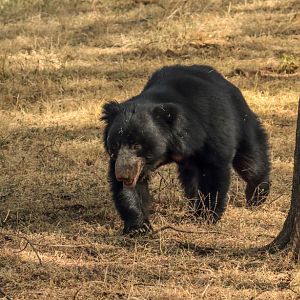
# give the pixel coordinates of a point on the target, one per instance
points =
(110, 110)
(166, 113)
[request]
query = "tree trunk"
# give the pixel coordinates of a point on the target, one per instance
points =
(289, 236)
(296, 236)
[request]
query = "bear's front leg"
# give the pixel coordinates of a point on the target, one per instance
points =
(132, 204)
(133, 211)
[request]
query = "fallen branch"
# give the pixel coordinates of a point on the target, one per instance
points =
(64, 245)
(275, 199)
(292, 290)
(28, 242)
(184, 231)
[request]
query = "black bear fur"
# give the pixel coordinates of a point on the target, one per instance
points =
(193, 116)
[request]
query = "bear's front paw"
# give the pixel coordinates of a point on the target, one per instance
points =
(137, 230)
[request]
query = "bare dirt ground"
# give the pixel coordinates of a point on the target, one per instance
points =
(60, 61)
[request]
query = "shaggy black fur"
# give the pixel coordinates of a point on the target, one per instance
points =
(191, 115)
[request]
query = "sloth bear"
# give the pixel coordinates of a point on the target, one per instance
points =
(193, 116)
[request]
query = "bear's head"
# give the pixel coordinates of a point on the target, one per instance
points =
(137, 137)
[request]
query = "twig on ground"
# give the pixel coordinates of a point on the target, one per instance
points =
(184, 231)
(292, 290)
(275, 199)
(28, 242)
(262, 292)
(76, 293)
(204, 291)
(4, 295)
(64, 245)
(257, 295)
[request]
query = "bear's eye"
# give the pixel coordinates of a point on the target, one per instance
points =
(136, 146)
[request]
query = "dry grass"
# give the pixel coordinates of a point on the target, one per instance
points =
(59, 62)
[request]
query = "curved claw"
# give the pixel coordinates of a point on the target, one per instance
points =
(140, 230)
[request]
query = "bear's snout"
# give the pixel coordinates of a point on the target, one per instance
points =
(128, 167)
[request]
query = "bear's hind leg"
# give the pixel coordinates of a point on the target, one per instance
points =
(206, 187)
(252, 164)
(213, 187)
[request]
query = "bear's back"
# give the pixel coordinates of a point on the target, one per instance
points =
(182, 73)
